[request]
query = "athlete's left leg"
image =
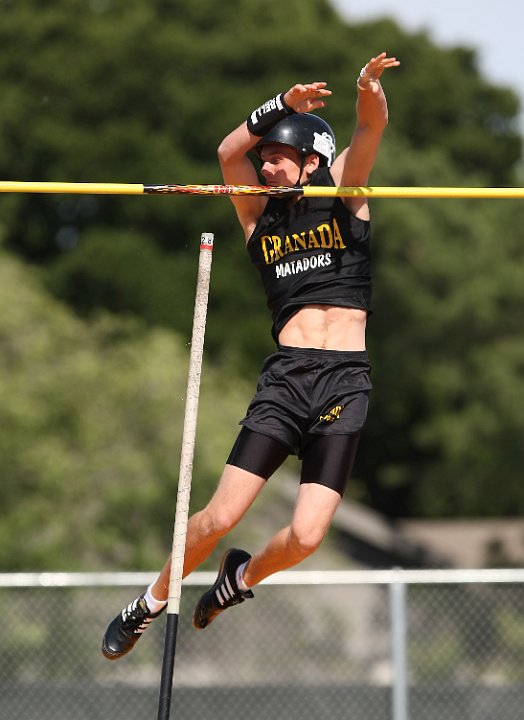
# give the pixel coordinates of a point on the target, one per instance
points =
(326, 467)
(312, 517)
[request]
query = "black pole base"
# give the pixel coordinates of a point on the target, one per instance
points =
(168, 664)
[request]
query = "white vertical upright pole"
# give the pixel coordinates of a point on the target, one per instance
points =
(185, 474)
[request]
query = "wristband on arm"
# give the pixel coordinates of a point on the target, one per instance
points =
(261, 120)
(365, 77)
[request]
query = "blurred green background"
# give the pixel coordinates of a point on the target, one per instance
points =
(96, 293)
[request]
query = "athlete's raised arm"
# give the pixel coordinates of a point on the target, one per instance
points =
(354, 164)
(237, 168)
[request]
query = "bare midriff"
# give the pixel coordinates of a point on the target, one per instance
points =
(326, 327)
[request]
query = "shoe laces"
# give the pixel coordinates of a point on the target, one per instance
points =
(136, 616)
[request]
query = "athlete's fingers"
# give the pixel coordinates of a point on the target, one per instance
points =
(374, 68)
(307, 97)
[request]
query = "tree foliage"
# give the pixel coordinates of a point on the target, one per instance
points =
(92, 420)
(128, 91)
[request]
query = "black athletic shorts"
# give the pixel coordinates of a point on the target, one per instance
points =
(311, 403)
(304, 392)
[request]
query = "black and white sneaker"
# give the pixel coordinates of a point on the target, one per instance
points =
(224, 593)
(126, 629)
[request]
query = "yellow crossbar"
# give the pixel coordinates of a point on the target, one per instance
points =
(8, 186)
(84, 188)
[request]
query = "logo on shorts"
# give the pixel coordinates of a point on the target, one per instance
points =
(332, 415)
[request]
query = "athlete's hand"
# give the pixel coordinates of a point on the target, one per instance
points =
(372, 70)
(305, 98)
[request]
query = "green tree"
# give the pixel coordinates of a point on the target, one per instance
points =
(91, 418)
(447, 412)
(113, 90)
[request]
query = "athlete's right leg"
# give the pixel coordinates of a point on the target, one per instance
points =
(326, 467)
(253, 459)
(233, 497)
(260, 455)
(235, 493)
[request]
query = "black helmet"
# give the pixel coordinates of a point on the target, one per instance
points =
(306, 133)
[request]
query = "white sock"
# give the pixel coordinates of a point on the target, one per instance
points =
(240, 579)
(153, 604)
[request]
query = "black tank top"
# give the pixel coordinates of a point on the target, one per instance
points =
(313, 252)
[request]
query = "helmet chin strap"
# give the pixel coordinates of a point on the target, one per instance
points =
(302, 163)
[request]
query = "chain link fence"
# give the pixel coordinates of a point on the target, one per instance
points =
(310, 646)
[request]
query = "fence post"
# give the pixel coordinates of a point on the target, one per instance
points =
(397, 605)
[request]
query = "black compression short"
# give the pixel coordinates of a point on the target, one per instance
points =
(311, 403)
(327, 460)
